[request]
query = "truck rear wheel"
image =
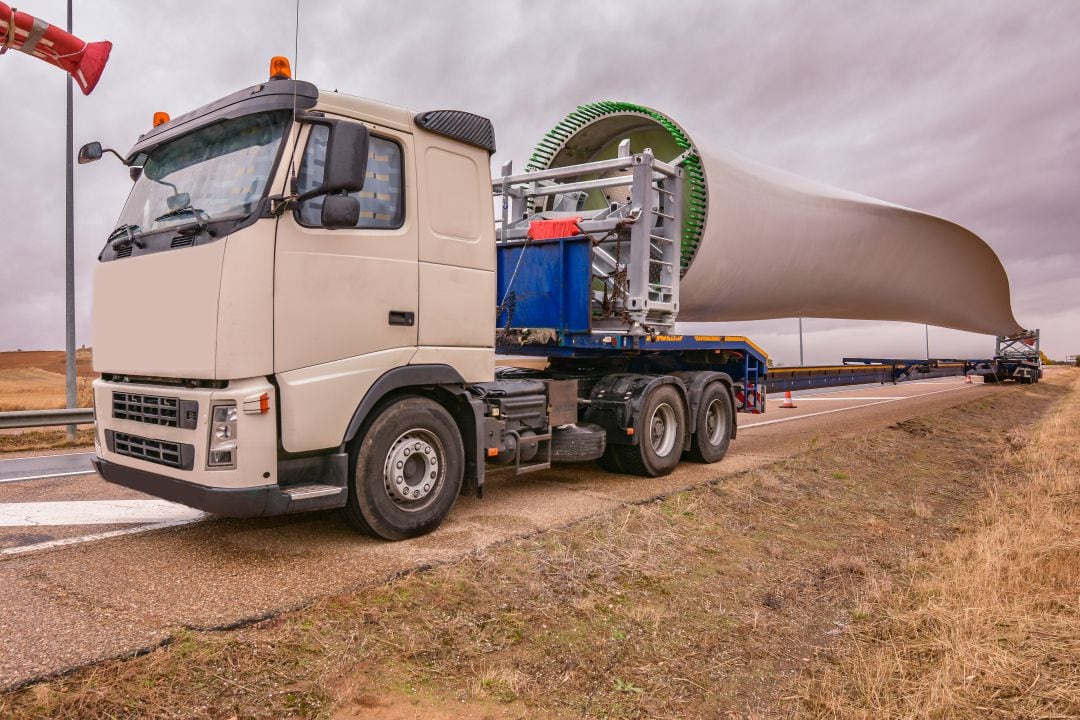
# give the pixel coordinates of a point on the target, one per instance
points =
(407, 470)
(660, 442)
(713, 426)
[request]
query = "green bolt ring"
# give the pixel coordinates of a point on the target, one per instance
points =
(695, 192)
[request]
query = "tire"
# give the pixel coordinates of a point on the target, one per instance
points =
(713, 425)
(662, 436)
(420, 438)
(583, 442)
(990, 378)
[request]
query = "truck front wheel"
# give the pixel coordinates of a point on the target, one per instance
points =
(407, 470)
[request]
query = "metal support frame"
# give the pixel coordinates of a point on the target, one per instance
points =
(1022, 346)
(641, 282)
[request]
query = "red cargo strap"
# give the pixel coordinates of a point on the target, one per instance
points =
(549, 229)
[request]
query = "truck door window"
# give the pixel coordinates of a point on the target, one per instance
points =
(381, 201)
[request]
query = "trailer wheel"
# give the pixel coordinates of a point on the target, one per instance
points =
(407, 470)
(714, 416)
(990, 377)
(661, 440)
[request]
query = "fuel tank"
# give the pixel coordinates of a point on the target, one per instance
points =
(761, 243)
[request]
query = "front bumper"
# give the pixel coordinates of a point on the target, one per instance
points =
(247, 502)
(227, 502)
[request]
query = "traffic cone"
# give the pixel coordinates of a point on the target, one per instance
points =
(968, 380)
(788, 402)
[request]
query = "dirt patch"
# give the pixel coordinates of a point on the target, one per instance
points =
(34, 380)
(51, 361)
(709, 603)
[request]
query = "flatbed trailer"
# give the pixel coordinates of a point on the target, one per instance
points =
(1015, 358)
(859, 371)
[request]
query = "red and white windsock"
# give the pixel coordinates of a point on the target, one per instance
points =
(26, 33)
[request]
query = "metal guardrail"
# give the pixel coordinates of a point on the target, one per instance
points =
(41, 418)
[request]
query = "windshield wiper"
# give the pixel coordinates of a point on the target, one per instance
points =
(183, 211)
(127, 234)
(123, 230)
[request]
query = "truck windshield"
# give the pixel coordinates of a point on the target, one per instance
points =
(213, 173)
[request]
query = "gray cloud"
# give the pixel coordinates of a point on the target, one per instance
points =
(968, 110)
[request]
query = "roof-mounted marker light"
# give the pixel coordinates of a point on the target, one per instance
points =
(160, 118)
(279, 68)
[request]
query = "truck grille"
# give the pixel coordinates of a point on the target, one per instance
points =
(162, 452)
(155, 409)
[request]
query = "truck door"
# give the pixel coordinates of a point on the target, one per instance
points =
(345, 301)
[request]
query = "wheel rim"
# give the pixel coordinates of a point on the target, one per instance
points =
(414, 469)
(715, 422)
(663, 427)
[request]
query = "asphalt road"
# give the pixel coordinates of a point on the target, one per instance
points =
(75, 593)
(45, 466)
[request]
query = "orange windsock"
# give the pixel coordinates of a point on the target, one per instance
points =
(26, 33)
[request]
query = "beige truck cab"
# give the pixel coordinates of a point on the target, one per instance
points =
(261, 281)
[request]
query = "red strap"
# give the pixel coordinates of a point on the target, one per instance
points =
(550, 229)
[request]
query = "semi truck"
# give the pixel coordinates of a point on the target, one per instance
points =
(304, 299)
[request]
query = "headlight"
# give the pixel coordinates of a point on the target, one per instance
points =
(222, 451)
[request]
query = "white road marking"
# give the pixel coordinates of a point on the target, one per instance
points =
(829, 390)
(815, 398)
(46, 477)
(40, 467)
(95, 512)
(90, 538)
(54, 455)
(853, 407)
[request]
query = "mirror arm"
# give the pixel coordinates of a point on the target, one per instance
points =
(120, 157)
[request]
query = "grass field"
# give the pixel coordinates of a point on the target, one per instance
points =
(34, 380)
(925, 570)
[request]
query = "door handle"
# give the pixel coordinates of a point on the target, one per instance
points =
(402, 317)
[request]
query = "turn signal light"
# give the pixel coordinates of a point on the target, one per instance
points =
(279, 68)
(160, 118)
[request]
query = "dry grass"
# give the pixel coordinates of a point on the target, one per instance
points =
(708, 604)
(34, 380)
(31, 388)
(45, 439)
(988, 624)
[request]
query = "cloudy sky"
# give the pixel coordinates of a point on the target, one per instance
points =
(968, 110)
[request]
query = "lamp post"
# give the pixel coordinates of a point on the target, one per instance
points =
(69, 253)
(927, 327)
(800, 343)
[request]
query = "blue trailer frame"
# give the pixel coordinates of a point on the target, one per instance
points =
(546, 310)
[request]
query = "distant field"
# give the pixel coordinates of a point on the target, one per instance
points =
(34, 379)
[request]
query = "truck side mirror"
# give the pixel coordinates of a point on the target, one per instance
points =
(90, 152)
(346, 157)
(340, 212)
